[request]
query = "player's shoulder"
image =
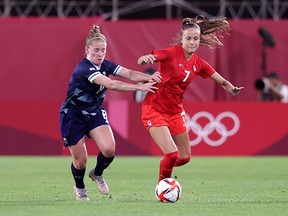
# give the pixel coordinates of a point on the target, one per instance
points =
(174, 49)
(198, 59)
(109, 66)
(84, 64)
(108, 63)
(169, 52)
(84, 68)
(166, 49)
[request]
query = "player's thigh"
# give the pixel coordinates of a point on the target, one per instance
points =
(104, 138)
(162, 137)
(182, 142)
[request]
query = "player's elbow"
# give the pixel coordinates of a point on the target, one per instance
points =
(114, 85)
(111, 85)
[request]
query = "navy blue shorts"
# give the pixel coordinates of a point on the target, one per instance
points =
(72, 130)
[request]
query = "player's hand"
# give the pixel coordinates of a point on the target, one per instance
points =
(155, 77)
(147, 59)
(236, 90)
(148, 87)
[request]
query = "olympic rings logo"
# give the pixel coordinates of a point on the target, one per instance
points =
(213, 125)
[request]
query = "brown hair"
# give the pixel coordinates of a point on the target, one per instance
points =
(211, 30)
(95, 34)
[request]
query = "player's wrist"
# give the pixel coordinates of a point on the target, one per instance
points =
(233, 91)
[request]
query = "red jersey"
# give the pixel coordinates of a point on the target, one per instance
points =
(177, 73)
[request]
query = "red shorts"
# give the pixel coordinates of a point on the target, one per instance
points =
(175, 122)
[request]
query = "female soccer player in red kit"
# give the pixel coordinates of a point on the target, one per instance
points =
(162, 113)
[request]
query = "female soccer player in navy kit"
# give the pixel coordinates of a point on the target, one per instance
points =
(82, 113)
(162, 113)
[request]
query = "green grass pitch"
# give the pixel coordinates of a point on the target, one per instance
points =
(232, 186)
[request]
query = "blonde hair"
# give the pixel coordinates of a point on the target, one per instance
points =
(95, 35)
(210, 30)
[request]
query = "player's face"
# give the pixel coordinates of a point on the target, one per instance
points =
(96, 51)
(190, 40)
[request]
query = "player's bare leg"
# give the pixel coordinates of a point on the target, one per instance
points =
(161, 136)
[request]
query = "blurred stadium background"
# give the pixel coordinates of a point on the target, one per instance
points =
(146, 9)
(42, 41)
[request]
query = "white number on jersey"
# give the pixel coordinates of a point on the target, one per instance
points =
(187, 75)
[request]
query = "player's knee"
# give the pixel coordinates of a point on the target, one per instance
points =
(181, 161)
(108, 152)
(80, 163)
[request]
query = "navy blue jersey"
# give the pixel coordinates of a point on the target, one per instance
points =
(84, 98)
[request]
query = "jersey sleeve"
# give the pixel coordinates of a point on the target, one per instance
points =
(93, 76)
(206, 69)
(162, 55)
(112, 68)
(107, 68)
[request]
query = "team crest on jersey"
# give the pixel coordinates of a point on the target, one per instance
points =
(194, 68)
(92, 69)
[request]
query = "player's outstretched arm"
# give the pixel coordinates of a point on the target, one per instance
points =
(138, 76)
(117, 85)
(225, 84)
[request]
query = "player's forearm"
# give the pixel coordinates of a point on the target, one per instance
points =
(233, 90)
(139, 77)
(117, 85)
(227, 86)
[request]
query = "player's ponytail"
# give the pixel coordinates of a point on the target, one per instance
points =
(95, 34)
(211, 30)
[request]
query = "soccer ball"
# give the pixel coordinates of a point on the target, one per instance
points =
(168, 190)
